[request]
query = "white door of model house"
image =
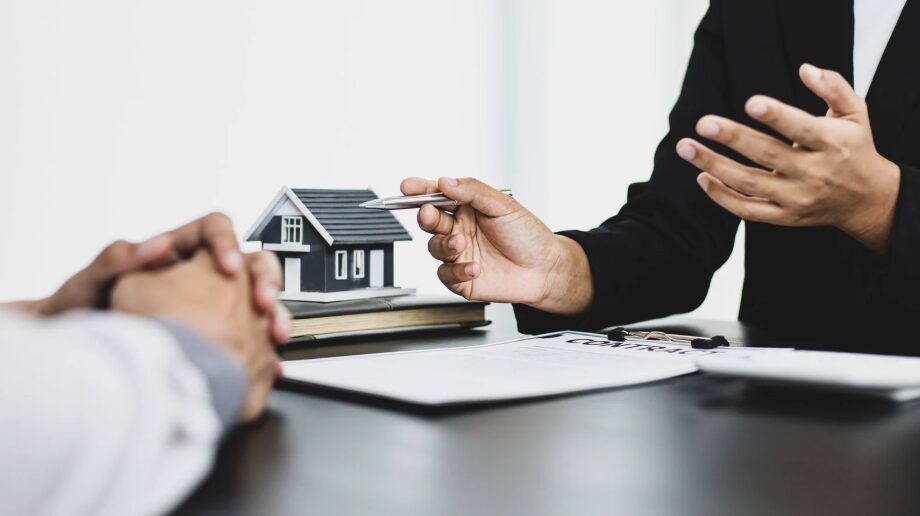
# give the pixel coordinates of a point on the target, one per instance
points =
(376, 268)
(292, 274)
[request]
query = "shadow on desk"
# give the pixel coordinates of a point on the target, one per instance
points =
(739, 396)
(435, 412)
(735, 396)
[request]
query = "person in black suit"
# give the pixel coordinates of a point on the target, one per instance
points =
(767, 129)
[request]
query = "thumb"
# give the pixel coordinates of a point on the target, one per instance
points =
(480, 196)
(834, 90)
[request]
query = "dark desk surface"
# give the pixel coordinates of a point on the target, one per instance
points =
(689, 446)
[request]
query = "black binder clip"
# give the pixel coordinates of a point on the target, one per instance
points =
(618, 334)
(711, 343)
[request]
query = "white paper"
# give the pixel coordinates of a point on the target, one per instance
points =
(537, 366)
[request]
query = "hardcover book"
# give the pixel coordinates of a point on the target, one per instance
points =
(314, 321)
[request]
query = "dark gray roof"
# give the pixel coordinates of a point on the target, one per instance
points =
(339, 213)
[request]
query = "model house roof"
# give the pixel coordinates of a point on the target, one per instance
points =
(336, 216)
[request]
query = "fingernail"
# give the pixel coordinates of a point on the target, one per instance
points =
(813, 72)
(709, 128)
(152, 248)
(449, 181)
(757, 108)
(703, 181)
(686, 151)
(233, 260)
(471, 270)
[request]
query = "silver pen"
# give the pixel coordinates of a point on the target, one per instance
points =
(416, 201)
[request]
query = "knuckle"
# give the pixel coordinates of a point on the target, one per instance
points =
(845, 152)
(808, 131)
(799, 218)
(436, 246)
(728, 133)
(420, 218)
(745, 212)
(704, 160)
(768, 155)
(217, 217)
(748, 184)
(805, 203)
(772, 115)
(114, 253)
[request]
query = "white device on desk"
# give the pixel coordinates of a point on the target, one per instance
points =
(893, 377)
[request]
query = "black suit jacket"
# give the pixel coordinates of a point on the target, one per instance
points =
(656, 257)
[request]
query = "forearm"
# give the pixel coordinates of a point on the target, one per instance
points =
(141, 425)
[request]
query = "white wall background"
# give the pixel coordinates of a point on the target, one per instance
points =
(120, 119)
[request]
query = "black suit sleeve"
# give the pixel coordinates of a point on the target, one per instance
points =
(899, 270)
(657, 256)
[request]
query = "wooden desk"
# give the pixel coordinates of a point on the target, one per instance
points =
(690, 446)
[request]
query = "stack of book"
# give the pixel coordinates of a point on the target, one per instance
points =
(315, 321)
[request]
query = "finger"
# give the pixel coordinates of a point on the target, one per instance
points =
(417, 186)
(446, 248)
(281, 324)
(452, 274)
(834, 90)
(793, 123)
(214, 231)
(435, 221)
(266, 277)
(758, 147)
(480, 196)
(88, 288)
(121, 257)
(747, 208)
(166, 259)
(747, 180)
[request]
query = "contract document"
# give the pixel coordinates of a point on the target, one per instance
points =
(544, 365)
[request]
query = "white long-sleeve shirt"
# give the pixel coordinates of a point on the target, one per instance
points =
(108, 414)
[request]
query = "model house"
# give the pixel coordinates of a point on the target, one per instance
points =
(330, 248)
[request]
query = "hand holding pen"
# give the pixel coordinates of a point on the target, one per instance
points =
(493, 249)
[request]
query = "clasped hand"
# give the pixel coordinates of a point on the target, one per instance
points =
(196, 275)
(830, 175)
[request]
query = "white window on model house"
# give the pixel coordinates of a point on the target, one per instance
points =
(357, 263)
(341, 265)
(291, 230)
